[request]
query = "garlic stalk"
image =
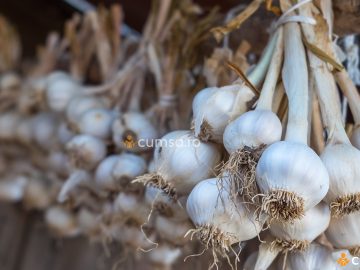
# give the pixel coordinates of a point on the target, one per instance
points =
(289, 173)
(299, 234)
(181, 161)
(350, 91)
(339, 156)
(220, 222)
(215, 107)
(344, 233)
(316, 257)
(246, 137)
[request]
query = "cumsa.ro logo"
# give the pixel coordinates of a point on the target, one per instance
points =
(343, 260)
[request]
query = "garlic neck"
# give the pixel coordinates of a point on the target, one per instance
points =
(324, 83)
(257, 75)
(295, 78)
(268, 89)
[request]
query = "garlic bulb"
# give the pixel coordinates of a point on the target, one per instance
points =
(44, 130)
(86, 151)
(115, 172)
(64, 134)
(164, 205)
(59, 163)
(344, 233)
(299, 234)
(213, 109)
(61, 221)
(12, 190)
(61, 88)
(8, 125)
(133, 237)
(132, 131)
(164, 255)
(220, 222)
(77, 178)
(129, 207)
(9, 82)
(37, 194)
(266, 254)
(88, 221)
(246, 137)
(181, 161)
(173, 231)
(316, 257)
(289, 173)
(97, 122)
(79, 105)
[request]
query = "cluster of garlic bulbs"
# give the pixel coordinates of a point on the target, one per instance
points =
(114, 163)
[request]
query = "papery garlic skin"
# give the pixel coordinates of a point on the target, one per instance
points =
(214, 108)
(342, 162)
(181, 160)
(86, 151)
(97, 122)
(61, 88)
(344, 233)
(355, 137)
(299, 234)
(294, 170)
(219, 222)
(315, 257)
(133, 127)
(252, 129)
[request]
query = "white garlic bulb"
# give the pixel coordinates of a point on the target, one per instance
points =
(8, 125)
(220, 222)
(115, 172)
(181, 161)
(299, 234)
(266, 254)
(293, 178)
(12, 190)
(132, 131)
(172, 230)
(214, 108)
(164, 255)
(344, 233)
(316, 257)
(64, 134)
(61, 221)
(44, 130)
(97, 122)
(164, 205)
(79, 105)
(61, 88)
(341, 161)
(86, 151)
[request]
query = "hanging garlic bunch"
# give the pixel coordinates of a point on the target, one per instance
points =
(289, 173)
(339, 156)
(299, 234)
(132, 131)
(215, 107)
(181, 161)
(220, 222)
(246, 137)
(344, 233)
